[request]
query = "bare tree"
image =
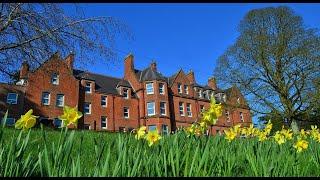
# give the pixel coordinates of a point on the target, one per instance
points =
(32, 32)
(274, 62)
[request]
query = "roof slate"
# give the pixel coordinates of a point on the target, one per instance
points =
(104, 84)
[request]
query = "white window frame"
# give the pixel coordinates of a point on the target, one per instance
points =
(12, 101)
(179, 88)
(105, 122)
(238, 100)
(105, 100)
(148, 108)
(189, 113)
(149, 88)
(181, 104)
(241, 117)
(167, 130)
(55, 76)
(224, 97)
(42, 98)
(165, 108)
(200, 93)
(161, 88)
(84, 107)
(127, 108)
(152, 125)
(125, 91)
(85, 88)
(62, 100)
(186, 89)
(228, 116)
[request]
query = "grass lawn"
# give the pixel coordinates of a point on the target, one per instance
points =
(87, 153)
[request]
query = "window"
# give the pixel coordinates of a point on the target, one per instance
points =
(57, 122)
(45, 121)
(201, 108)
(179, 88)
(122, 129)
(241, 117)
(55, 79)
(86, 126)
(126, 112)
(60, 100)
(238, 100)
(150, 108)
(87, 108)
(104, 101)
(228, 116)
(125, 93)
(200, 93)
(181, 109)
(163, 108)
(189, 113)
(161, 88)
(224, 97)
(46, 98)
(12, 98)
(164, 129)
(10, 121)
(149, 87)
(103, 122)
(204, 95)
(88, 87)
(152, 128)
(186, 90)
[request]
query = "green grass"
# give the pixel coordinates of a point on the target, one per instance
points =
(86, 153)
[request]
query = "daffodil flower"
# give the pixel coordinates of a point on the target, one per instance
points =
(26, 121)
(152, 137)
(141, 132)
(70, 115)
(301, 145)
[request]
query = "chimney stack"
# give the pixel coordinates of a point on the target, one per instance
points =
(128, 66)
(212, 83)
(190, 77)
(153, 66)
(70, 60)
(24, 70)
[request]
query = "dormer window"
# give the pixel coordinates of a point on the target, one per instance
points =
(186, 90)
(200, 93)
(55, 79)
(179, 88)
(88, 87)
(125, 93)
(224, 97)
(149, 87)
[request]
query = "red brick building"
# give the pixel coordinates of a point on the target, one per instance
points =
(141, 97)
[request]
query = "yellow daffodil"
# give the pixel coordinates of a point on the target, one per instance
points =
(230, 134)
(268, 127)
(213, 113)
(262, 136)
(287, 133)
(280, 138)
(303, 134)
(301, 145)
(70, 115)
(152, 137)
(26, 121)
(141, 132)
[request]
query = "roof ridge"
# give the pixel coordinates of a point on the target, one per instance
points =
(119, 78)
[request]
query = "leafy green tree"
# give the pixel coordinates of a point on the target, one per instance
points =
(274, 61)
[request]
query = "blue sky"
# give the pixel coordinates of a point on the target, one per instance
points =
(187, 36)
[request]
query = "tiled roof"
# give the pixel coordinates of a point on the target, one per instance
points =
(148, 75)
(104, 84)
